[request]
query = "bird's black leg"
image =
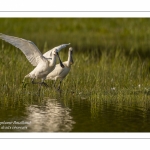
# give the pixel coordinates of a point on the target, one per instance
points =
(39, 89)
(59, 85)
(32, 81)
(43, 83)
(54, 84)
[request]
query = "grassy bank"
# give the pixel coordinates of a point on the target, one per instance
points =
(110, 77)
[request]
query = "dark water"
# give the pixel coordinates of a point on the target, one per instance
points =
(77, 115)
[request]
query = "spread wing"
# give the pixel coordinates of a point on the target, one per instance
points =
(49, 53)
(30, 50)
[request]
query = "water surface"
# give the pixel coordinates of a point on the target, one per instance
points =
(77, 115)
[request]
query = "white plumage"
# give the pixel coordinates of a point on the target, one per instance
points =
(45, 63)
(61, 72)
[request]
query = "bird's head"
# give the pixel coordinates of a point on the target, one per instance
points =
(54, 51)
(71, 49)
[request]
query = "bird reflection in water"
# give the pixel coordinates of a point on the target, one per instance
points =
(52, 117)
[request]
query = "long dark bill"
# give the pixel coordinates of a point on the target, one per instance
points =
(61, 64)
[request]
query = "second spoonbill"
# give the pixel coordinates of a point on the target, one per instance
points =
(61, 72)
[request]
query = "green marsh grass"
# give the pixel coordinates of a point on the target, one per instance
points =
(113, 78)
(111, 61)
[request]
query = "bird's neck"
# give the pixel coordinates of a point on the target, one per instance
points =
(53, 61)
(70, 59)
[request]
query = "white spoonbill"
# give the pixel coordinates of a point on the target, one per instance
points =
(44, 63)
(61, 72)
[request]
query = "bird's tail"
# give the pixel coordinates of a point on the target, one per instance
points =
(27, 76)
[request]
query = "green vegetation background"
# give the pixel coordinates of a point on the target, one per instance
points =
(129, 34)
